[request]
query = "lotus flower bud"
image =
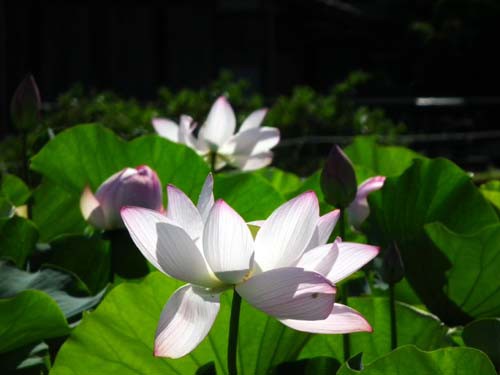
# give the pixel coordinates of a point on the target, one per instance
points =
(26, 104)
(139, 187)
(338, 179)
(392, 267)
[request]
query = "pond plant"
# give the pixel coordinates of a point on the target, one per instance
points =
(384, 261)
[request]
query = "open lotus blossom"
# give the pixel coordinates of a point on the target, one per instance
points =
(247, 150)
(287, 271)
(359, 210)
(131, 186)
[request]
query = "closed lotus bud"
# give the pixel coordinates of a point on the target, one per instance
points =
(26, 104)
(392, 267)
(139, 187)
(338, 179)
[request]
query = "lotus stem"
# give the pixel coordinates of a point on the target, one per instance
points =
(232, 344)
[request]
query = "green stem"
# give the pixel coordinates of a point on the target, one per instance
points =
(392, 307)
(213, 157)
(343, 290)
(232, 341)
(342, 224)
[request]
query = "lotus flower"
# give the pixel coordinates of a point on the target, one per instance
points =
(247, 150)
(131, 186)
(210, 247)
(359, 210)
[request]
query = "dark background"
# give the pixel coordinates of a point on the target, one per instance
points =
(424, 48)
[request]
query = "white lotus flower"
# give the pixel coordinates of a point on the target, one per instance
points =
(210, 247)
(247, 150)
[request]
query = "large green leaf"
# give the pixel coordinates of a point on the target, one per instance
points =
(118, 337)
(284, 182)
(414, 326)
(88, 154)
(484, 334)
(69, 293)
(28, 318)
(251, 195)
(18, 238)
(409, 360)
(371, 159)
(429, 191)
(472, 279)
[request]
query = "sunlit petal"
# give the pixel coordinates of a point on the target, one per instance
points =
(185, 321)
(290, 293)
(228, 243)
(285, 234)
(342, 319)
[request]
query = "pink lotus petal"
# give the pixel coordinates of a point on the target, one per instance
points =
(220, 124)
(167, 246)
(342, 319)
(352, 256)
(251, 142)
(166, 128)
(206, 198)
(320, 259)
(359, 210)
(283, 237)
(91, 209)
(185, 321)
(324, 229)
(253, 162)
(227, 243)
(253, 120)
(290, 293)
(182, 211)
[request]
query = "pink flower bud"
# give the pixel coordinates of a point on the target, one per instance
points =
(139, 187)
(26, 104)
(338, 179)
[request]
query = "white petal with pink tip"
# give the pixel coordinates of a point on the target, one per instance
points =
(320, 259)
(289, 293)
(342, 319)
(185, 321)
(228, 243)
(284, 236)
(182, 211)
(352, 256)
(167, 246)
(253, 120)
(220, 124)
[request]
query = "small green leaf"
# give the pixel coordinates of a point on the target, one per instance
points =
(69, 293)
(409, 360)
(18, 238)
(15, 189)
(87, 257)
(19, 325)
(491, 191)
